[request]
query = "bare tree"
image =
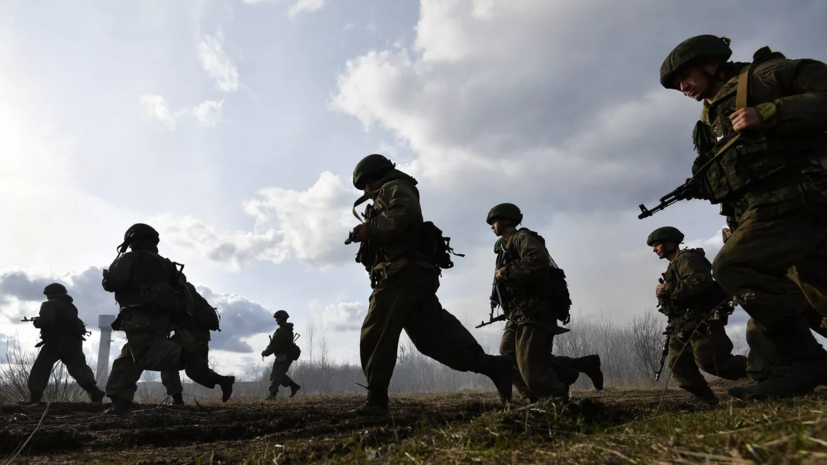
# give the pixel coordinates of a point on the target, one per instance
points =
(646, 339)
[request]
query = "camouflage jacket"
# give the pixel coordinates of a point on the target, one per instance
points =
(144, 279)
(782, 166)
(281, 341)
(524, 280)
(394, 226)
(689, 291)
(59, 319)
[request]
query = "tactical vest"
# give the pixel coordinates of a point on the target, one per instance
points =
(153, 285)
(690, 309)
(754, 168)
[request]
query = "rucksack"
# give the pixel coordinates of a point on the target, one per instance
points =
(294, 352)
(438, 246)
(205, 314)
(560, 297)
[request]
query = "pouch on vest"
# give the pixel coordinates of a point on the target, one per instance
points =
(437, 246)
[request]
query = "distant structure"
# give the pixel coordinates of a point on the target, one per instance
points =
(105, 325)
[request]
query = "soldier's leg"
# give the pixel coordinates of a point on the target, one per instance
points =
(810, 275)
(276, 376)
(816, 321)
(72, 356)
(285, 380)
(124, 377)
(438, 334)
(681, 360)
(534, 359)
(762, 356)
(42, 368)
(508, 348)
(568, 369)
(757, 258)
(713, 354)
(171, 380)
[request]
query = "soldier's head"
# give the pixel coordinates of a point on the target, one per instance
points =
(140, 236)
(693, 66)
(54, 290)
(370, 170)
(665, 242)
(504, 218)
(281, 317)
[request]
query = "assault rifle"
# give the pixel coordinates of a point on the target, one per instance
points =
(683, 192)
(27, 319)
(729, 304)
(496, 291)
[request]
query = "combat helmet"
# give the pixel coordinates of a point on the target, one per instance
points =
(665, 234)
(138, 231)
(54, 289)
(371, 166)
(507, 211)
(703, 46)
(281, 315)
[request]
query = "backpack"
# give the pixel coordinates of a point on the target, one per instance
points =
(205, 314)
(560, 297)
(294, 352)
(437, 246)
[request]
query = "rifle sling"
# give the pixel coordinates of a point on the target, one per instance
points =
(740, 102)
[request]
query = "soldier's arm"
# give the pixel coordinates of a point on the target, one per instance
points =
(270, 349)
(696, 279)
(533, 261)
(402, 210)
(804, 111)
(119, 275)
(48, 315)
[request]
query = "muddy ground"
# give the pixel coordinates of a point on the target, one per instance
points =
(300, 430)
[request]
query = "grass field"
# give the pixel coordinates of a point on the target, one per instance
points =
(614, 426)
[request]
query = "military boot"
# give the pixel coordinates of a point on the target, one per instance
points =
(294, 388)
(119, 407)
(375, 404)
(703, 393)
(271, 396)
(178, 400)
(802, 366)
(95, 394)
(590, 366)
(499, 368)
(226, 384)
(34, 398)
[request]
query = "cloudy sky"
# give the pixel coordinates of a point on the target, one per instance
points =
(233, 127)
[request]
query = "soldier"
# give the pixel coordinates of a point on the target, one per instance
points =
(762, 154)
(397, 249)
(61, 334)
(523, 281)
(193, 334)
(686, 296)
(152, 295)
(282, 346)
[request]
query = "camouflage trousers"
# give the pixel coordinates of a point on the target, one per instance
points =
(534, 366)
(757, 257)
(147, 348)
(406, 300)
(70, 352)
(278, 376)
(710, 350)
(763, 357)
(195, 353)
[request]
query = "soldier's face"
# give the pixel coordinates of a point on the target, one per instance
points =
(499, 226)
(663, 249)
(692, 83)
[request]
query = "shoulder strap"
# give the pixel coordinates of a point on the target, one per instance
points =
(740, 102)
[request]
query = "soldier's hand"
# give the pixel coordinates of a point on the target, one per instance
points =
(498, 275)
(361, 231)
(659, 289)
(494, 304)
(263, 354)
(746, 118)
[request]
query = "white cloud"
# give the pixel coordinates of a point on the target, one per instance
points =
(217, 63)
(348, 27)
(309, 225)
(341, 316)
(208, 113)
(156, 107)
(304, 6)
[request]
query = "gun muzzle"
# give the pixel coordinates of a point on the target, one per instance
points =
(644, 212)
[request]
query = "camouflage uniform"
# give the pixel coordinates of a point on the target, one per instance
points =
(405, 280)
(529, 333)
(773, 182)
(151, 301)
(280, 346)
(61, 332)
(194, 338)
(688, 295)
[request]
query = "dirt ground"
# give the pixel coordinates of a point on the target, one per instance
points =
(300, 430)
